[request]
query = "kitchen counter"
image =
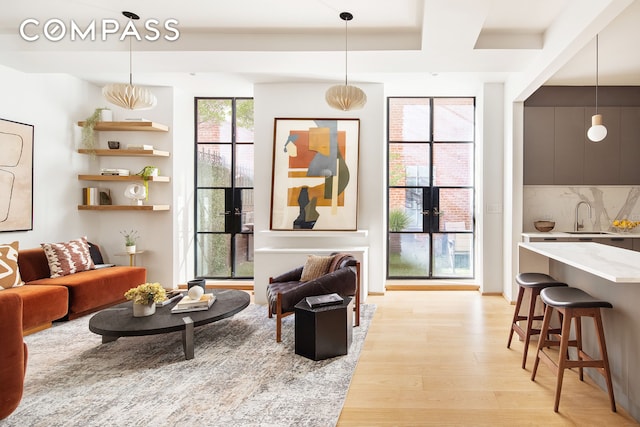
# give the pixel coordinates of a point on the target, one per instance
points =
(614, 264)
(608, 273)
(566, 234)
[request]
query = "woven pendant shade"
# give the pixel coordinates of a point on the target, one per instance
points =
(345, 97)
(129, 96)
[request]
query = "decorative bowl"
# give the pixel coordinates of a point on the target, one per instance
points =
(624, 225)
(544, 226)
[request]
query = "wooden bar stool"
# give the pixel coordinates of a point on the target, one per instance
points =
(573, 303)
(535, 282)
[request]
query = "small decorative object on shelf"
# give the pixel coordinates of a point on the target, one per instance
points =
(146, 173)
(136, 193)
(624, 225)
(145, 297)
(130, 238)
(88, 136)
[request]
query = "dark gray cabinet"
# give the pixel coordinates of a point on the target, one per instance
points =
(539, 145)
(602, 159)
(558, 152)
(569, 138)
(630, 145)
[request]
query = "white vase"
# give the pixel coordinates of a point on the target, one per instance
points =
(142, 310)
(106, 115)
(131, 249)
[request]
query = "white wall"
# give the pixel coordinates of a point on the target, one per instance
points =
(155, 228)
(490, 212)
(54, 104)
(307, 101)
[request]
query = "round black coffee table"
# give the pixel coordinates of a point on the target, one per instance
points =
(118, 321)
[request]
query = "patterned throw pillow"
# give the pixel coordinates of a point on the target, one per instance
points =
(315, 267)
(9, 272)
(68, 258)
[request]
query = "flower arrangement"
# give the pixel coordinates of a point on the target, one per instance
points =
(146, 293)
(130, 237)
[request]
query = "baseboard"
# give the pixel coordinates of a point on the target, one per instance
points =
(439, 287)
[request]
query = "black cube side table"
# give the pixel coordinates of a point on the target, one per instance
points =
(323, 332)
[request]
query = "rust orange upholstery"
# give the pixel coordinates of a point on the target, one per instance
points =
(13, 353)
(41, 305)
(89, 290)
(84, 292)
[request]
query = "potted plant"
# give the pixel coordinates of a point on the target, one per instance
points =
(88, 135)
(398, 221)
(146, 173)
(145, 297)
(130, 238)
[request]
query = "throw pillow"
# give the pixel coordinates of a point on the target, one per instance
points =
(315, 267)
(68, 258)
(9, 272)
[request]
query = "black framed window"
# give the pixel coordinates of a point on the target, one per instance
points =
(224, 188)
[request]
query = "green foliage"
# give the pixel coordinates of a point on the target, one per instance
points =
(88, 136)
(398, 220)
(130, 237)
(218, 111)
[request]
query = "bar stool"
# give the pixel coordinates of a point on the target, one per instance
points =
(535, 282)
(573, 303)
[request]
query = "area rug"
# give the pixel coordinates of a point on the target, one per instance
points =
(239, 376)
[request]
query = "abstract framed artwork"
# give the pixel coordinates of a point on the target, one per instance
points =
(16, 176)
(315, 174)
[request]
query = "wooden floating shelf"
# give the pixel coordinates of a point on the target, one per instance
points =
(122, 178)
(123, 208)
(125, 152)
(129, 126)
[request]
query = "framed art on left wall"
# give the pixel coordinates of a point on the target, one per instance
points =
(16, 176)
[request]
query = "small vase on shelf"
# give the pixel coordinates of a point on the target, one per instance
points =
(142, 310)
(131, 249)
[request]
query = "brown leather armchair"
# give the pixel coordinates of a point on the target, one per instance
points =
(13, 353)
(286, 290)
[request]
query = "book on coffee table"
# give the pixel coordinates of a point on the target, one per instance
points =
(186, 304)
(171, 297)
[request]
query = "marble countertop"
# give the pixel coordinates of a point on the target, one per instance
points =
(588, 234)
(609, 262)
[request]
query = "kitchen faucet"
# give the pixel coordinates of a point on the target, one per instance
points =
(578, 225)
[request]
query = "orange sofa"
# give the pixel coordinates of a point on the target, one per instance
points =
(13, 353)
(68, 297)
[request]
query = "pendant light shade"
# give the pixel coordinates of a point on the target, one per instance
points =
(597, 132)
(127, 95)
(345, 97)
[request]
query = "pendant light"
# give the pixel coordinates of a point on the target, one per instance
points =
(345, 97)
(127, 95)
(597, 132)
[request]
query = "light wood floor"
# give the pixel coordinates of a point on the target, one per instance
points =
(440, 358)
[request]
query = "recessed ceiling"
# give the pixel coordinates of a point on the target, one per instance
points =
(280, 40)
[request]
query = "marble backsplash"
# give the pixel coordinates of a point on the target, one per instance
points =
(558, 203)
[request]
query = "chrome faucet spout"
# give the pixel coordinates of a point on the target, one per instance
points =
(579, 225)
